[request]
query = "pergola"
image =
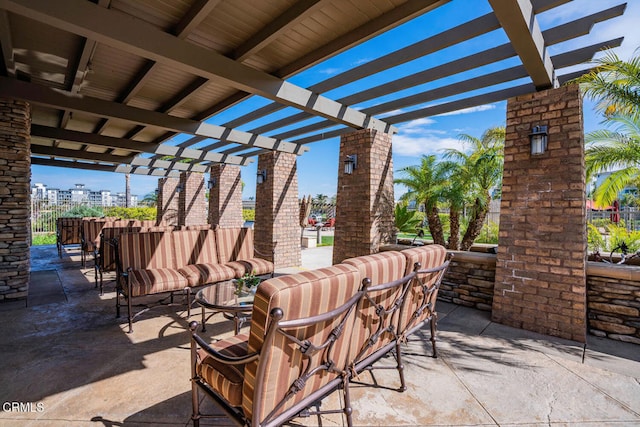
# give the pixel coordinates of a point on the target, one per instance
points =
(108, 84)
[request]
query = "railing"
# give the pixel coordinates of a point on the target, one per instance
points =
(44, 215)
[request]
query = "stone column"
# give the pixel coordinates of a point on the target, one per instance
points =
(541, 261)
(277, 209)
(225, 197)
(365, 203)
(15, 202)
(192, 205)
(167, 201)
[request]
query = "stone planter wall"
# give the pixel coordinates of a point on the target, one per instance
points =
(613, 302)
(470, 280)
(613, 297)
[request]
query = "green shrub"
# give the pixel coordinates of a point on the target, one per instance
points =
(43, 239)
(618, 234)
(139, 213)
(489, 233)
(249, 214)
(406, 221)
(80, 211)
(595, 240)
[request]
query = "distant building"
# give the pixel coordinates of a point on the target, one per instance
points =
(79, 195)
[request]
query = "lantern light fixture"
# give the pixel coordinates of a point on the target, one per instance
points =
(179, 188)
(350, 164)
(262, 176)
(538, 137)
(212, 182)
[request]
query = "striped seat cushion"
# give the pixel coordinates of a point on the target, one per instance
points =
(429, 256)
(201, 274)
(257, 266)
(299, 295)
(225, 379)
(383, 267)
(157, 280)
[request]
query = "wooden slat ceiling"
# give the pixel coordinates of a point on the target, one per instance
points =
(115, 84)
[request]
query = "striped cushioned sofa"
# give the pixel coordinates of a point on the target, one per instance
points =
(154, 262)
(310, 334)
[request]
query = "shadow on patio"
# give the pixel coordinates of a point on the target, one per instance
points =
(74, 358)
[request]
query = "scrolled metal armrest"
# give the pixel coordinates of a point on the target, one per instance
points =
(216, 355)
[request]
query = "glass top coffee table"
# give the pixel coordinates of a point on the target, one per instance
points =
(221, 298)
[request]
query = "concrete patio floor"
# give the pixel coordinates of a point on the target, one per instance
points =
(69, 357)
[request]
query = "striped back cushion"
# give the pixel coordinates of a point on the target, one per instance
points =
(91, 228)
(429, 256)
(126, 223)
(383, 267)
(194, 247)
(299, 295)
(200, 227)
(234, 243)
(147, 223)
(107, 248)
(69, 230)
(146, 250)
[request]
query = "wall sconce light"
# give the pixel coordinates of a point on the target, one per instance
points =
(350, 163)
(212, 183)
(262, 176)
(156, 191)
(179, 188)
(538, 138)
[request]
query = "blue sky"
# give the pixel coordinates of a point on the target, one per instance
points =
(318, 168)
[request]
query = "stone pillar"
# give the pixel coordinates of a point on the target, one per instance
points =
(15, 203)
(365, 203)
(225, 197)
(277, 209)
(192, 203)
(541, 261)
(167, 203)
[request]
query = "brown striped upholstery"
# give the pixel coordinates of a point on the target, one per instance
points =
(380, 268)
(226, 379)
(68, 230)
(429, 256)
(146, 250)
(107, 251)
(234, 244)
(197, 257)
(91, 229)
(201, 227)
(235, 249)
(300, 295)
(155, 281)
(150, 262)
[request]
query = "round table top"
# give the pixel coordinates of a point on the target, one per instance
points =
(222, 296)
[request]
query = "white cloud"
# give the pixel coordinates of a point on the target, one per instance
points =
(330, 71)
(469, 110)
(416, 126)
(406, 145)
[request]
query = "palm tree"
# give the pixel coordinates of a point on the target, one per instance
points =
(479, 171)
(426, 184)
(618, 149)
(615, 84)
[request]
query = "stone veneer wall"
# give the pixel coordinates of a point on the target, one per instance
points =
(167, 201)
(541, 263)
(365, 202)
(613, 298)
(277, 210)
(469, 280)
(613, 302)
(192, 201)
(225, 198)
(15, 175)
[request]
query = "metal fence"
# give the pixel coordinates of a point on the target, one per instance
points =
(44, 215)
(627, 216)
